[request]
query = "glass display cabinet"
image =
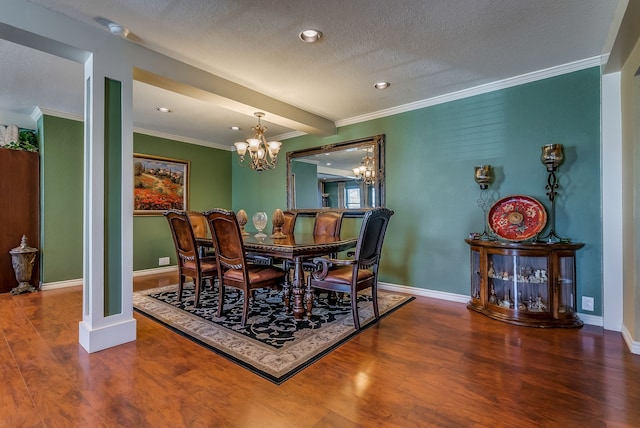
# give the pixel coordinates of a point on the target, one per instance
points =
(525, 283)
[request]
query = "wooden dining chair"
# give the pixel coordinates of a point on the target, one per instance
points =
(327, 223)
(201, 231)
(199, 224)
(289, 225)
(190, 262)
(234, 271)
(361, 271)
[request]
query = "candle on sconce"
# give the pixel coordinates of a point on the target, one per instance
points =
(552, 156)
(483, 176)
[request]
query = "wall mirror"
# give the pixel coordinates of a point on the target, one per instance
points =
(346, 175)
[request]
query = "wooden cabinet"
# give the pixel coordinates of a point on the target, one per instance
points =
(532, 284)
(19, 210)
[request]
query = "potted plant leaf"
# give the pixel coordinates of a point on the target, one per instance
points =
(12, 137)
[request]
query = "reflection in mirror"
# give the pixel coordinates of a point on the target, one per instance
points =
(347, 175)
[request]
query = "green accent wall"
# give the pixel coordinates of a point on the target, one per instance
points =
(430, 156)
(61, 172)
(209, 187)
(62, 186)
(430, 159)
(113, 197)
(306, 183)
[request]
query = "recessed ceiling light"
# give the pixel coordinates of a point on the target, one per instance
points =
(310, 35)
(234, 128)
(118, 30)
(382, 85)
(163, 109)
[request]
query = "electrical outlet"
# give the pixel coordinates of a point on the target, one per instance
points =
(163, 261)
(587, 303)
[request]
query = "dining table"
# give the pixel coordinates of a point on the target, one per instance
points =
(296, 248)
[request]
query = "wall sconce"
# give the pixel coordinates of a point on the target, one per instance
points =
(552, 157)
(483, 176)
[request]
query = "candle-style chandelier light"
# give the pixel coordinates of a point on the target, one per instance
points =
(262, 155)
(366, 172)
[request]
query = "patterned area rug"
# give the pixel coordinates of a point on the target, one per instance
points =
(272, 344)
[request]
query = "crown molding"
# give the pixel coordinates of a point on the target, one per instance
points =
(181, 139)
(38, 112)
(477, 90)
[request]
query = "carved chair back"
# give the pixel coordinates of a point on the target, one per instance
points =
(327, 223)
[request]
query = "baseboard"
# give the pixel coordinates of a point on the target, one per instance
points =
(442, 295)
(591, 319)
(74, 282)
(463, 298)
(155, 271)
(634, 346)
(61, 284)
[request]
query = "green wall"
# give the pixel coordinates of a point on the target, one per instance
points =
(61, 175)
(430, 155)
(62, 183)
(306, 183)
(430, 159)
(209, 187)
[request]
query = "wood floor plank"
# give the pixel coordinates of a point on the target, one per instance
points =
(430, 363)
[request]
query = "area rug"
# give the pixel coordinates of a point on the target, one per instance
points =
(272, 344)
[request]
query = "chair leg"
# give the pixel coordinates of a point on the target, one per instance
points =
(220, 298)
(197, 283)
(245, 307)
(374, 294)
(180, 286)
(354, 310)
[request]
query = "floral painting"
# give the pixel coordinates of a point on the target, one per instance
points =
(159, 184)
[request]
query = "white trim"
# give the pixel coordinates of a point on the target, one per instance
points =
(462, 298)
(612, 233)
(155, 271)
(39, 111)
(423, 292)
(482, 89)
(94, 339)
(634, 346)
(591, 319)
(75, 282)
(61, 284)
(173, 137)
(441, 295)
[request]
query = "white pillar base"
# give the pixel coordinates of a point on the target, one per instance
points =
(108, 336)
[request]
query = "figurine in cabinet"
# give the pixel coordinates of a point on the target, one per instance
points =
(538, 305)
(492, 298)
(491, 272)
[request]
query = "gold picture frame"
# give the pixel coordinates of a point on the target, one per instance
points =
(159, 184)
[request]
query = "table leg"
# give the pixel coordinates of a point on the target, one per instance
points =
(298, 288)
(286, 288)
(308, 299)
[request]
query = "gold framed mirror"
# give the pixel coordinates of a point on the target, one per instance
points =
(347, 175)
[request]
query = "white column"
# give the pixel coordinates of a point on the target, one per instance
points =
(611, 189)
(105, 324)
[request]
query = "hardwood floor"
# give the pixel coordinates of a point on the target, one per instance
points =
(431, 363)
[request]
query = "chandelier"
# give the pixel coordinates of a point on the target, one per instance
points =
(366, 172)
(262, 155)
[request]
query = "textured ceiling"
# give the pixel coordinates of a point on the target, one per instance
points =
(425, 48)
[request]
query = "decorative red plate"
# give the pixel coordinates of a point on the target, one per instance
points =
(517, 218)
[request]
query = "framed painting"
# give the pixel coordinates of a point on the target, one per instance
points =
(159, 184)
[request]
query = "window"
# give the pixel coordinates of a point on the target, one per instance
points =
(353, 197)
